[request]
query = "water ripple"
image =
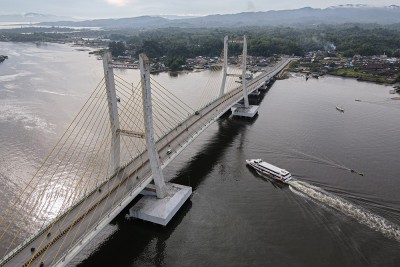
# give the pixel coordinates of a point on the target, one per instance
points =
(26, 117)
(13, 77)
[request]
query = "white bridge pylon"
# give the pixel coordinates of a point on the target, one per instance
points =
(169, 197)
(154, 159)
(148, 119)
(245, 95)
(246, 110)
(225, 68)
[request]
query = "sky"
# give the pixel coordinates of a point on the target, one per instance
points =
(91, 9)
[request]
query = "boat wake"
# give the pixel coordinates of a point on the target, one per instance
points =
(362, 215)
(317, 159)
(321, 160)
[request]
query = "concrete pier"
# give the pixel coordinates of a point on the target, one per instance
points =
(242, 111)
(160, 210)
(255, 93)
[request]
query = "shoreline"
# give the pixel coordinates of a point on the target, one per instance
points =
(377, 80)
(395, 85)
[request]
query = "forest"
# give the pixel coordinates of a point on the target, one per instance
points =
(177, 42)
(348, 39)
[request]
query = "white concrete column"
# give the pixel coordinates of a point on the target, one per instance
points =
(245, 96)
(221, 92)
(158, 176)
(113, 111)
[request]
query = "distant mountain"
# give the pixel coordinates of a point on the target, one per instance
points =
(136, 22)
(306, 15)
(303, 16)
(173, 17)
(33, 18)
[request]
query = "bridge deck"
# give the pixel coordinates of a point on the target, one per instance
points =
(82, 222)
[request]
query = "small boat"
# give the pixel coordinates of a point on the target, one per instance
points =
(356, 172)
(269, 170)
(339, 109)
(358, 100)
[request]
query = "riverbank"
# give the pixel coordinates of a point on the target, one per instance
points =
(376, 69)
(361, 76)
(351, 73)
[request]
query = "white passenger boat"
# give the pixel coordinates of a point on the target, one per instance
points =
(270, 170)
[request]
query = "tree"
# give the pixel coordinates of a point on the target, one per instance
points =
(152, 48)
(175, 64)
(117, 48)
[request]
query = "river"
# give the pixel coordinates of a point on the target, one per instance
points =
(328, 216)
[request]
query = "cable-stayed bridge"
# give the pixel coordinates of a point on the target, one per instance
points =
(115, 147)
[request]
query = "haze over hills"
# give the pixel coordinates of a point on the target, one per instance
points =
(33, 18)
(303, 16)
(135, 22)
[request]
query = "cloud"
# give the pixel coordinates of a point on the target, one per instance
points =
(118, 3)
(250, 6)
